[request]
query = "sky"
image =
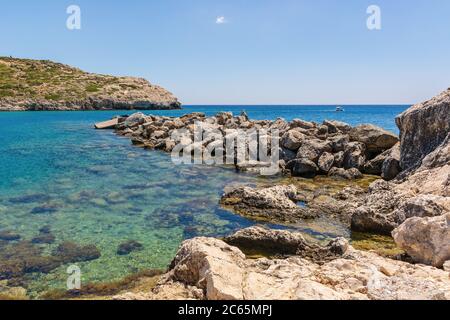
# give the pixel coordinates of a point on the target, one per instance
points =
(246, 51)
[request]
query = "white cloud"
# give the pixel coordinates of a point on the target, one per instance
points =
(221, 20)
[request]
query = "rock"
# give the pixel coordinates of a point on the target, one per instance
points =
(287, 155)
(159, 134)
(128, 246)
(69, 252)
(350, 174)
(326, 162)
(135, 119)
(45, 209)
(110, 124)
(9, 236)
(423, 127)
(274, 203)
(446, 266)
(211, 265)
(322, 132)
(12, 293)
(266, 240)
(283, 242)
(338, 142)
(424, 205)
(302, 168)
(391, 165)
(377, 165)
(376, 213)
(354, 155)
(385, 208)
(426, 240)
(312, 149)
(292, 140)
(223, 272)
(299, 123)
(337, 126)
(279, 124)
(339, 159)
(433, 176)
(375, 138)
(47, 238)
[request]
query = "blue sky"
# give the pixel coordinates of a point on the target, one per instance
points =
(267, 52)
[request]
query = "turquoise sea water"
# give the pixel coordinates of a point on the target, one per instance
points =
(93, 187)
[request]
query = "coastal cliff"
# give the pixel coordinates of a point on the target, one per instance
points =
(34, 85)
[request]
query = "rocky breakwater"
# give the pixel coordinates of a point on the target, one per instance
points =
(298, 148)
(32, 85)
(416, 205)
(208, 268)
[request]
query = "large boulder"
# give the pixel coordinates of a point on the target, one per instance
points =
(354, 155)
(349, 174)
(385, 208)
(375, 138)
(339, 141)
(312, 149)
(376, 214)
(433, 176)
(302, 168)
(423, 127)
(275, 242)
(272, 203)
(292, 140)
(262, 239)
(337, 126)
(426, 240)
(386, 164)
(326, 162)
(222, 272)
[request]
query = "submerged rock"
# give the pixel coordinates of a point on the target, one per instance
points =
(128, 247)
(426, 240)
(45, 209)
(23, 257)
(47, 238)
(9, 236)
(69, 252)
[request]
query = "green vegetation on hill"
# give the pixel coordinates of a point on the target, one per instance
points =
(27, 84)
(31, 79)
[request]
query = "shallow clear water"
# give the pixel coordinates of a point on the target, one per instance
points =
(93, 187)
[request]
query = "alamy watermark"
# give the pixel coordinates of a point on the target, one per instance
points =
(374, 19)
(74, 278)
(73, 22)
(205, 144)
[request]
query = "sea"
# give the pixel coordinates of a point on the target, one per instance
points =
(91, 187)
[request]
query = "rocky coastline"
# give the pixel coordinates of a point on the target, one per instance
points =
(410, 201)
(41, 85)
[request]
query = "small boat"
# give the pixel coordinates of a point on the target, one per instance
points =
(339, 109)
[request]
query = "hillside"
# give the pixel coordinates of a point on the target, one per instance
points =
(44, 85)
